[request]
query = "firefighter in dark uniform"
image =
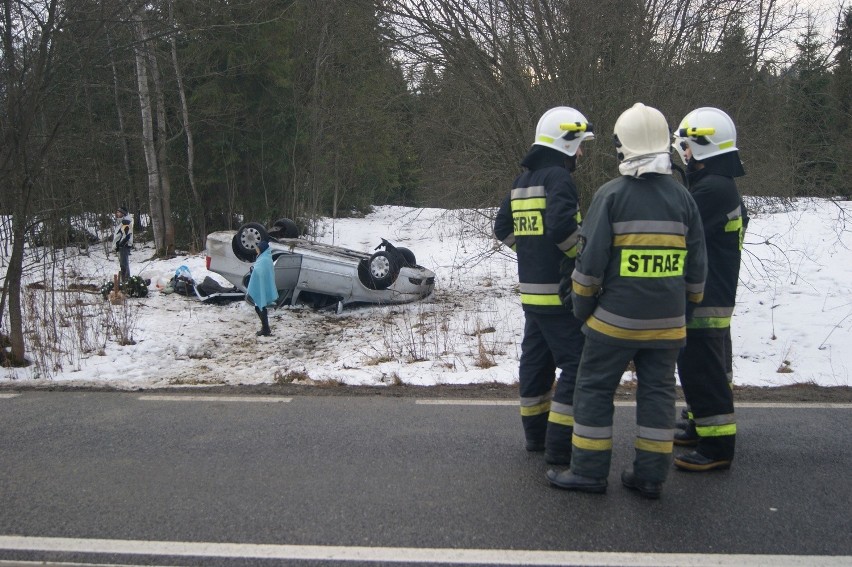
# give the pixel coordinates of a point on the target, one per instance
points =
(539, 220)
(642, 261)
(706, 142)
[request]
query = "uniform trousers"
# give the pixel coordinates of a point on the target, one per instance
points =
(702, 368)
(601, 369)
(551, 341)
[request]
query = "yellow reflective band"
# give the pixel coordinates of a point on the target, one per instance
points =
(584, 290)
(578, 217)
(725, 145)
(591, 444)
(675, 333)
(649, 239)
(734, 225)
(532, 204)
(695, 297)
(652, 263)
(537, 409)
(540, 299)
(546, 139)
(571, 252)
(709, 323)
(653, 446)
(716, 430)
(561, 419)
(528, 223)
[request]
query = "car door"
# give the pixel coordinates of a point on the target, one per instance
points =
(287, 268)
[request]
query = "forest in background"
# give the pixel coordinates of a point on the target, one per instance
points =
(201, 114)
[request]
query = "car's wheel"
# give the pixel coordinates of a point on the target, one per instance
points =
(382, 269)
(246, 239)
(285, 228)
(407, 256)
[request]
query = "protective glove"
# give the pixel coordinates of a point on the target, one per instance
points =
(690, 311)
(566, 268)
(565, 292)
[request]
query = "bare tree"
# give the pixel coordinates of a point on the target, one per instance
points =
(496, 65)
(201, 230)
(38, 90)
(154, 138)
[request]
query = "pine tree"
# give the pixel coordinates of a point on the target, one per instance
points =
(841, 143)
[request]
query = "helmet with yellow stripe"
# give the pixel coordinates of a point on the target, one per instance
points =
(707, 132)
(563, 128)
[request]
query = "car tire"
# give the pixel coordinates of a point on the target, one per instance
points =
(285, 228)
(247, 237)
(381, 270)
(407, 256)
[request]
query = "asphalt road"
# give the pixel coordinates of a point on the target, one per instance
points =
(135, 478)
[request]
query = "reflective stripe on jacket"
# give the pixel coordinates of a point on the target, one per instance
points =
(642, 257)
(539, 220)
(724, 218)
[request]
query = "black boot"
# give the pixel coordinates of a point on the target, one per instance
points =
(646, 488)
(264, 331)
(697, 462)
(570, 481)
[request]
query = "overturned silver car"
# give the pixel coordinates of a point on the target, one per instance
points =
(320, 275)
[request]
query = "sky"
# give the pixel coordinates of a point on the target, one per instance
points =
(792, 324)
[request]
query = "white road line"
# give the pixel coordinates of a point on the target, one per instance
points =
(6, 396)
(791, 405)
(12, 563)
(467, 402)
(444, 556)
(440, 402)
(184, 398)
(752, 405)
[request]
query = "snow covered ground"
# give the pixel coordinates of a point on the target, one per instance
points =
(792, 323)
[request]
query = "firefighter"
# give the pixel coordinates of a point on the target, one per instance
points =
(539, 220)
(641, 263)
(706, 141)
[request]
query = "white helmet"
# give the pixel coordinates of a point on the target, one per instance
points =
(708, 132)
(563, 128)
(640, 131)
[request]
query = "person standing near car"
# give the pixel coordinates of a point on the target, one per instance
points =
(706, 142)
(122, 241)
(539, 220)
(642, 262)
(261, 287)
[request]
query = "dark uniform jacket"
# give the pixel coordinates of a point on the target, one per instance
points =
(724, 218)
(539, 220)
(642, 257)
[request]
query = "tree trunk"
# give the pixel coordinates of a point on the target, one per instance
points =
(14, 274)
(201, 234)
(124, 147)
(154, 190)
(168, 249)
